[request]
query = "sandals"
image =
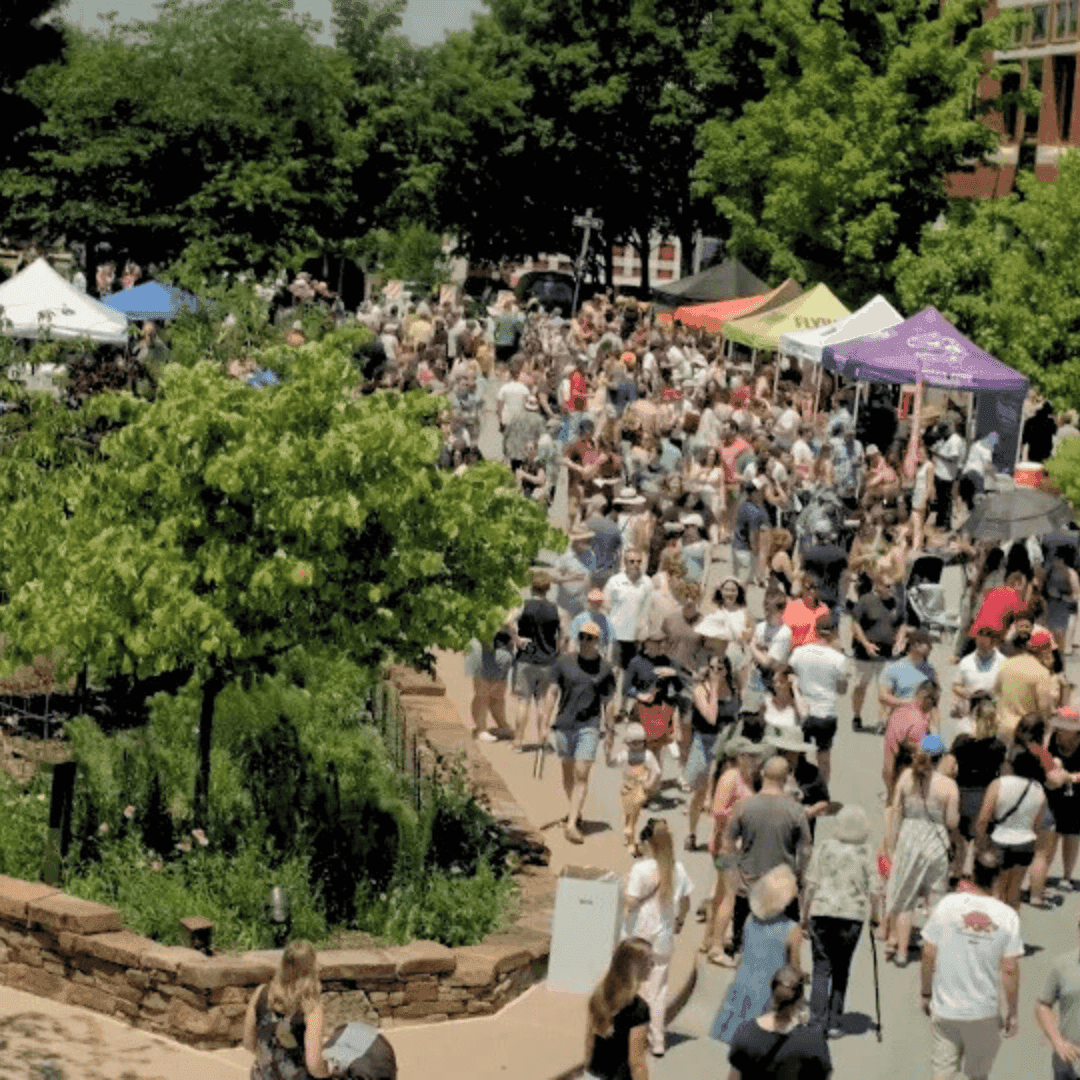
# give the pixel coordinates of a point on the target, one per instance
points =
(690, 844)
(890, 952)
(722, 959)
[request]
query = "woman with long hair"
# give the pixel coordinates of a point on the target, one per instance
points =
(616, 1030)
(657, 899)
(283, 1026)
(780, 1043)
(1063, 797)
(735, 783)
(924, 811)
(771, 940)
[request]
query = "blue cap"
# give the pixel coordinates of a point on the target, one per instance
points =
(932, 745)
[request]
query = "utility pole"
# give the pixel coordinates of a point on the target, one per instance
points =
(587, 222)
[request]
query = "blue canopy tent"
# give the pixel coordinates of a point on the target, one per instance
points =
(152, 301)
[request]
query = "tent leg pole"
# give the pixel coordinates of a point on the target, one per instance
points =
(776, 377)
(971, 416)
(858, 391)
(817, 389)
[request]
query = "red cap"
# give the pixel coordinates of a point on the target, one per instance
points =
(1067, 712)
(1041, 639)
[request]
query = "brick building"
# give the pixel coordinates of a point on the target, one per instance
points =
(1047, 51)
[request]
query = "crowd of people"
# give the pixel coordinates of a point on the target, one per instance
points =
(677, 458)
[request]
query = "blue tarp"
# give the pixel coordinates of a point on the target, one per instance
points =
(151, 301)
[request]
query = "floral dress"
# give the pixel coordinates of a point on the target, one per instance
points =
(279, 1044)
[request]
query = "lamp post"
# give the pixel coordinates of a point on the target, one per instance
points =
(277, 911)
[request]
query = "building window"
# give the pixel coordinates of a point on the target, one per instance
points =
(540, 264)
(664, 275)
(566, 264)
(1040, 22)
(1065, 26)
(1064, 89)
(1010, 87)
(667, 252)
(1034, 82)
(618, 252)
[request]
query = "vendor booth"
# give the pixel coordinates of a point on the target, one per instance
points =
(151, 301)
(764, 329)
(714, 317)
(37, 302)
(730, 280)
(927, 348)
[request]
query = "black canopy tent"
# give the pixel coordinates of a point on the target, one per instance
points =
(728, 280)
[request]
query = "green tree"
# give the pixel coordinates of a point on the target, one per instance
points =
(826, 176)
(29, 42)
(547, 108)
(220, 127)
(223, 526)
(1004, 271)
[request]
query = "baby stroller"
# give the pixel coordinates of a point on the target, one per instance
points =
(822, 514)
(926, 605)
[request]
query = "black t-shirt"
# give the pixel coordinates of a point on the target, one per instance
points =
(879, 620)
(800, 1054)
(978, 761)
(611, 1054)
(826, 563)
(1039, 431)
(539, 621)
(727, 709)
(584, 685)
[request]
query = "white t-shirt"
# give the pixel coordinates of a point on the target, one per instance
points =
(652, 920)
(947, 457)
(819, 669)
(974, 677)
(512, 397)
(801, 454)
(781, 718)
(626, 601)
(972, 934)
(653, 771)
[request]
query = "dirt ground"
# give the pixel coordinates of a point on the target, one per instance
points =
(22, 755)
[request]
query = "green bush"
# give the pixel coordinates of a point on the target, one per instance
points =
(447, 907)
(230, 890)
(24, 822)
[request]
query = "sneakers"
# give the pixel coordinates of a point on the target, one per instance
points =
(856, 723)
(573, 834)
(488, 736)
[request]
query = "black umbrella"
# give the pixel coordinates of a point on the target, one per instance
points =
(1016, 515)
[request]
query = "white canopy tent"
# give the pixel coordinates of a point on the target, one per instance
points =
(808, 346)
(38, 301)
(877, 314)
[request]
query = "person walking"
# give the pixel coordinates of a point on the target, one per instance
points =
(925, 809)
(283, 1026)
(1064, 801)
(1062, 989)
(971, 942)
(628, 597)
(641, 775)
(780, 1044)
(657, 891)
(617, 1023)
(1025, 683)
(1013, 806)
(877, 635)
(586, 685)
(488, 666)
(948, 454)
(764, 830)
(836, 903)
(773, 939)
(821, 674)
(537, 641)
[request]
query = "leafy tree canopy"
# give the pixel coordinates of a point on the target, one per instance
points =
(221, 125)
(846, 153)
(1005, 272)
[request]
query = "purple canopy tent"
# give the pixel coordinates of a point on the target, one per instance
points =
(928, 347)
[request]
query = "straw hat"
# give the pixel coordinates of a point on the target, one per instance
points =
(634, 733)
(581, 534)
(629, 496)
(773, 892)
(711, 626)
(782, 740)
(742, 745)
(852, 826)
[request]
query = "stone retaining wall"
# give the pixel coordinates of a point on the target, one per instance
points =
(78, 952)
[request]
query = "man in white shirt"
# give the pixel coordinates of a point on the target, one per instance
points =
(821, 672)
(969, 942)
(512, 396)
(978, 465)
(948, 453)
(628, 597)
(976, 674)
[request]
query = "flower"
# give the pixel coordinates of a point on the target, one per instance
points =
(41, 797)
(129, 812)
(183, 846)
(155, 865)
(103, 828)
(200, 836)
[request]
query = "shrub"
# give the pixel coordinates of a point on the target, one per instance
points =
(24, 823)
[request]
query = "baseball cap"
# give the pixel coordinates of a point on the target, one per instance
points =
(596, 595)
(590, 628)
(1041, 639)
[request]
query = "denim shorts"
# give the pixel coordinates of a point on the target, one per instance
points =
(579, 744)
(699, 760)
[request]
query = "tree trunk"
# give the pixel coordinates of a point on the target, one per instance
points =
(609, 267)
(644, 247)
(213, 686)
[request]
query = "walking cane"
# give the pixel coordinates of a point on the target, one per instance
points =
(877, 988)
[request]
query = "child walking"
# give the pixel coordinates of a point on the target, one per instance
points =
(640, 775)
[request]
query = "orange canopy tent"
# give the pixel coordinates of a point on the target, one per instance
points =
(712, 317)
